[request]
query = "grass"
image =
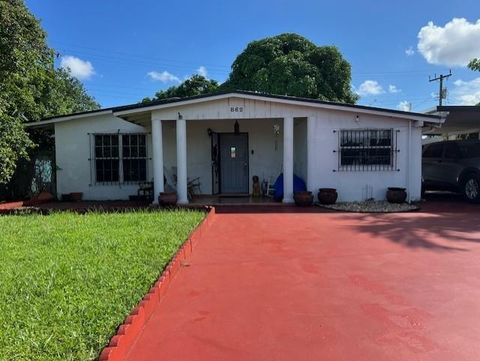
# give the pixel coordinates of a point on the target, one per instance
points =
(67, 280)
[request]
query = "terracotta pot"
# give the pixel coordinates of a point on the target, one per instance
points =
(327, 195)
(396, 195)
(303, 199)
(76, 196)
(167, 198)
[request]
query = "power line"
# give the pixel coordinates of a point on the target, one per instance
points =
(119, 56)
(442, 93)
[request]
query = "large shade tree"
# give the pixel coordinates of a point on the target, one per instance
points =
(31, 88)
(195, 85)
(289, 64)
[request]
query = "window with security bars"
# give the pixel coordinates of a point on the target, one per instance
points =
(367, 150)
(120, 158)
(107, 159)
(134, 158)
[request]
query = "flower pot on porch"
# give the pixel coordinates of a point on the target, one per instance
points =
(327, 195)
(396, 195)
(167, 198)
(303, 199)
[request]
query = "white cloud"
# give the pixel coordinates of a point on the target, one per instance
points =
(393, 89)
(404, 105)
(455, 44)
(164, 76)
(466, 92)
(370, 87)
(409, 51)
(78, 68)
(202, 71)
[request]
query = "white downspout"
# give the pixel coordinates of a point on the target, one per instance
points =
(408, 165)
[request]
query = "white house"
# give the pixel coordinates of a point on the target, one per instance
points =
(226, 138)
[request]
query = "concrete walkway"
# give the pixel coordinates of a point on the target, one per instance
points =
(327, 286)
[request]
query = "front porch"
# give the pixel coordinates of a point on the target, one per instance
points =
(214, 160)
(223, 142)
(221, 157)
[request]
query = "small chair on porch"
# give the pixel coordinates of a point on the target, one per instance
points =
(270, 188)
(145, 191)
(193, 187)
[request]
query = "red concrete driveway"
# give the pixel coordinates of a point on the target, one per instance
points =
(325, 286)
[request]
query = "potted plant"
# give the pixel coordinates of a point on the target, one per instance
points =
(303, 198)
(396, 195)
(327, 195)
(167, 198)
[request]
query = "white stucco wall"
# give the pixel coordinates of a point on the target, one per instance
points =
(72, 152)
(360, 185)
(266, 162)
(258, 119)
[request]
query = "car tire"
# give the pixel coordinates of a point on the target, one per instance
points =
(471, 188)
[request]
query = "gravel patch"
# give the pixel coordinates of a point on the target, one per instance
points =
(371, 207)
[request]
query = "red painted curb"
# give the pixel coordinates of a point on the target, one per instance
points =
(11, 205)
(127, 333)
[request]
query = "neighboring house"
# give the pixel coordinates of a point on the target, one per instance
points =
(224, 139)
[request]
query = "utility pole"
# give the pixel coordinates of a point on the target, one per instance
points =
(442, 93)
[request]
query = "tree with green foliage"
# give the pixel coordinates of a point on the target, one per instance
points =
(474, 64)
(30, 86)
(289, 64)
(195, 85)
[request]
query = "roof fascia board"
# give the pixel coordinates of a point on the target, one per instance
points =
(68, 117)
(406, 116)
(174, 104)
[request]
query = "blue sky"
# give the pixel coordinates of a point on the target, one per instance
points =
(123, 50)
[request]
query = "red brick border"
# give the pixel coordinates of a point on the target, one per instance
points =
(127, 333)
(11, 205)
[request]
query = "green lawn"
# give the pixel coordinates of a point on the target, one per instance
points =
(68, 280)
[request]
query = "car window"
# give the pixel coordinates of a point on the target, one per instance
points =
(433, 151)
(452, 151)
(470, 150)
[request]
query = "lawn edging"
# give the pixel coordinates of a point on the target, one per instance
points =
(6, 206)
(126, 334)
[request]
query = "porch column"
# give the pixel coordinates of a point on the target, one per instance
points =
(157, 150)
(310, 153)
(182, 160)
(288, 159)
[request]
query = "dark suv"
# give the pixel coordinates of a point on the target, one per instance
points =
(453, 165)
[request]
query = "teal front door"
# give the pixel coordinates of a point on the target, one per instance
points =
(233, 162)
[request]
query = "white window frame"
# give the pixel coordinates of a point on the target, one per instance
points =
(93, 159)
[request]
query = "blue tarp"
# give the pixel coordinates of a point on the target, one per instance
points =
(298, 186)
